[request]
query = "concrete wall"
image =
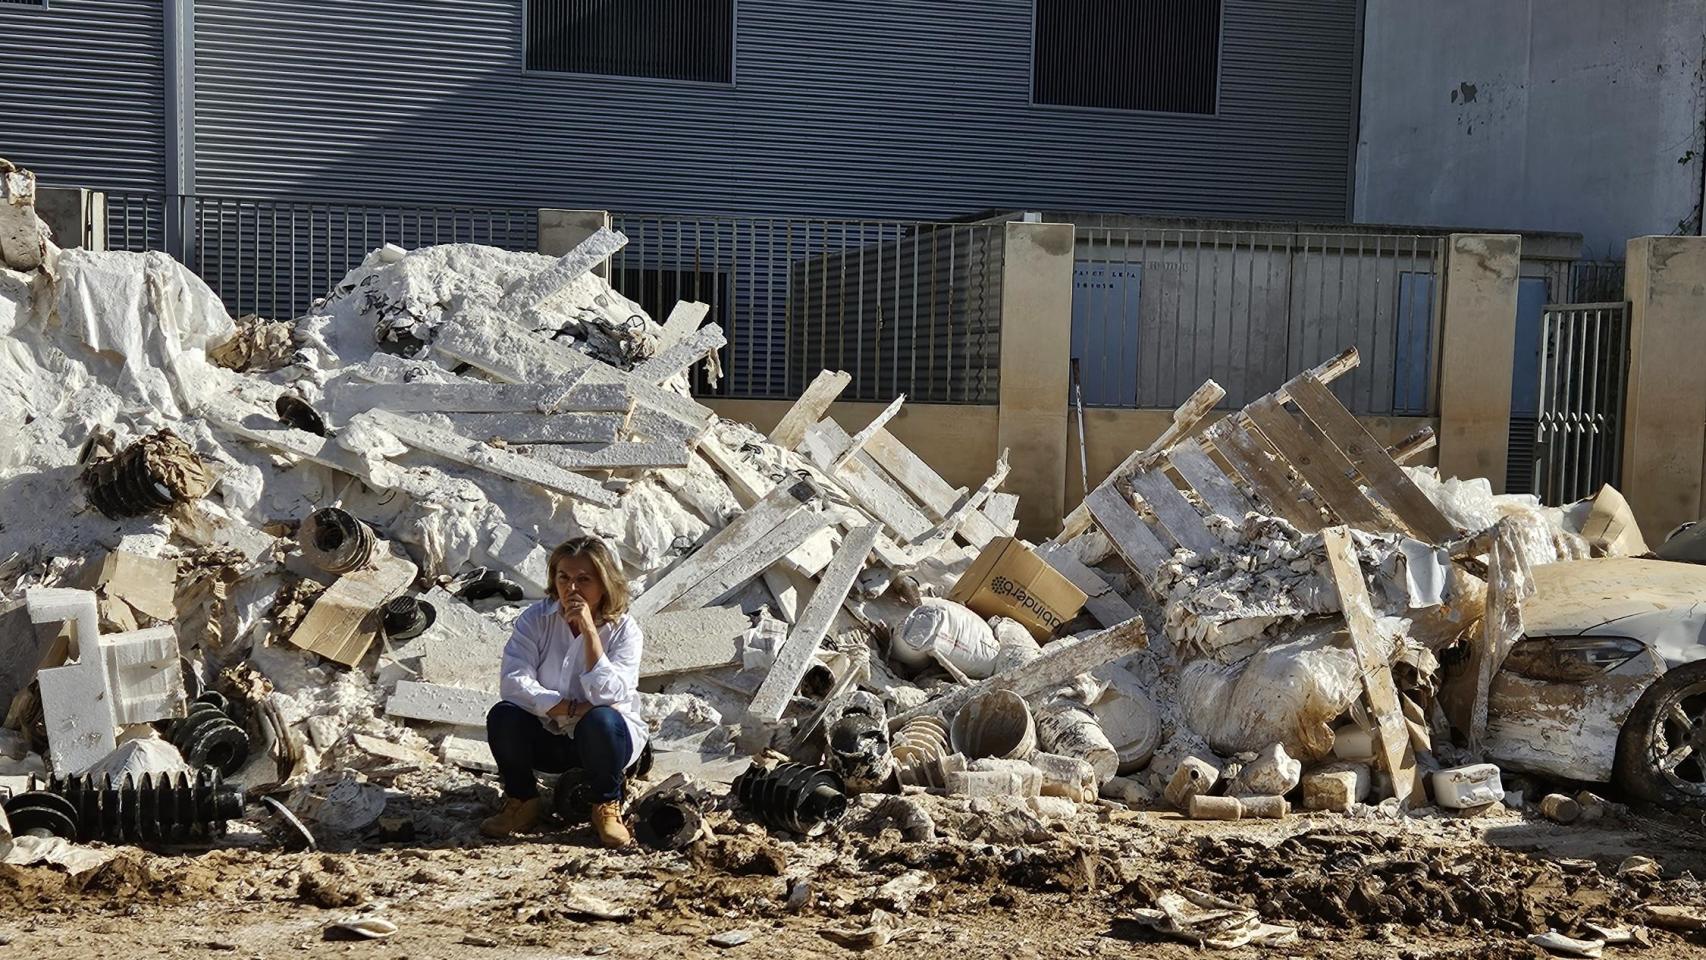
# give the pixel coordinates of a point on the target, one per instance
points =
(1577, 115)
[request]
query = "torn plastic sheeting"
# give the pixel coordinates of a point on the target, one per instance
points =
(1288, 693)
(949, 633)
(1207, 920)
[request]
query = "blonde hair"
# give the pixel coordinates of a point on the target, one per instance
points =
(609, 572)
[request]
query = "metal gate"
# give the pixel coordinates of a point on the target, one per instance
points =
(1584, 367)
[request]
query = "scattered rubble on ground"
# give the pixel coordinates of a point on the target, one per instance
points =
(257, 575)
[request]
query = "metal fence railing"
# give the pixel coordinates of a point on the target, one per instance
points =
(275, 257)
(1158, 310)
(1584, 368)
(905, 307)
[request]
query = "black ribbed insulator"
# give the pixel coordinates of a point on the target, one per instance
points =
(159, 808)
(798, 797)
(407, 617)
(293, 411)
(668, 819)
(208, 737)
(124, 486)
(37, 813)
(335, 541)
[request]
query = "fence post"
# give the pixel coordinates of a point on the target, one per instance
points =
(1036, 359)
(562, 230)
(1665, 410)
(77, 217)
(1477, 354)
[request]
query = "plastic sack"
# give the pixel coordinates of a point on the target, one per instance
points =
(1289, 693)
(949, 633)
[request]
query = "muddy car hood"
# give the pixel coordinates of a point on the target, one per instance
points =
(1658, 602)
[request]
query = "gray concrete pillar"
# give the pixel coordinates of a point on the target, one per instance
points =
(77, 217)
(1477, 354)
(1664, 417)
(562, 230)
(1036, 359)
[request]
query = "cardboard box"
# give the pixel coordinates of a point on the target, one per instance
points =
(1008, 580)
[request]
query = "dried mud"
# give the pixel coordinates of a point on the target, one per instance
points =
(998, 881)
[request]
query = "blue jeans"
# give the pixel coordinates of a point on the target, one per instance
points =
(601, 746)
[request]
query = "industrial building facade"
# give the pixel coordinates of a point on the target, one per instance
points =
(920, 110)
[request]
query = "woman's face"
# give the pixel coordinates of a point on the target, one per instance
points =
(577, 577)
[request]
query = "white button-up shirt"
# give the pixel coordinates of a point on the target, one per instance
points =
(544, 663)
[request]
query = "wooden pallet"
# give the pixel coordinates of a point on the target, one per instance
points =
(1296, 453)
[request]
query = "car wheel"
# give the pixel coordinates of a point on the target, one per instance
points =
(1661, 751)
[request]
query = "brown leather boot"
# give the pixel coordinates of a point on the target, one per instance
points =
(607, 823)
(517, 816)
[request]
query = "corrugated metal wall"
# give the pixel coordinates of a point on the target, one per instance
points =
(84, 83)
(886, 110)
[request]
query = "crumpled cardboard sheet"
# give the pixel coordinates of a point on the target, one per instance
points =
(1209, 921)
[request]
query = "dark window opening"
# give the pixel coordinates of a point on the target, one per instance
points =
(1161, 55)
(657, 290)
(664, 39)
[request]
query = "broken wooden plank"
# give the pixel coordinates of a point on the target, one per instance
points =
(347, 398)
(1317, 460)
(683, 319)
(810, 408)
(508, 351)
(745, 481)
(1060, 662)
(1219, 493)
(1100, 598)
(1379, 689)
(758, 557)
(1000, 511)
(1141, 549)
(454, 446)
(914, 475)
(1369, 457)
(344, 620)
(435, 703)
(520, 555)
(568, 268)
(1185, 419)
(928, 488)
(1265, 477)
(866, 483)
(856, 444)
(1412, 446)
(744, 532)
(800, 649)
(538, 428)
(681, 356)
(1174, 512)
(928, 545)
(689, 641)
(622, 455)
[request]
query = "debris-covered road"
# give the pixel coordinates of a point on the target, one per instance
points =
(1425, 887)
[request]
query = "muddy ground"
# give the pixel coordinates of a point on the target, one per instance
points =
(997, 882)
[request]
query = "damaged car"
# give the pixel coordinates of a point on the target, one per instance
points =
(1608, 682)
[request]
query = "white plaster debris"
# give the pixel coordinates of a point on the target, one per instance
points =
(1244, 656)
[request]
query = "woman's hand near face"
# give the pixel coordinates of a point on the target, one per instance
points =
(578, 614)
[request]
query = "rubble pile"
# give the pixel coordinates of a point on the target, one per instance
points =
(276, 562)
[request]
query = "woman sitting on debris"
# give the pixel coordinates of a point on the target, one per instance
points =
(571, 674)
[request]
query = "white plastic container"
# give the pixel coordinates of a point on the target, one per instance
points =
(1475, 785)
(997, 724)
